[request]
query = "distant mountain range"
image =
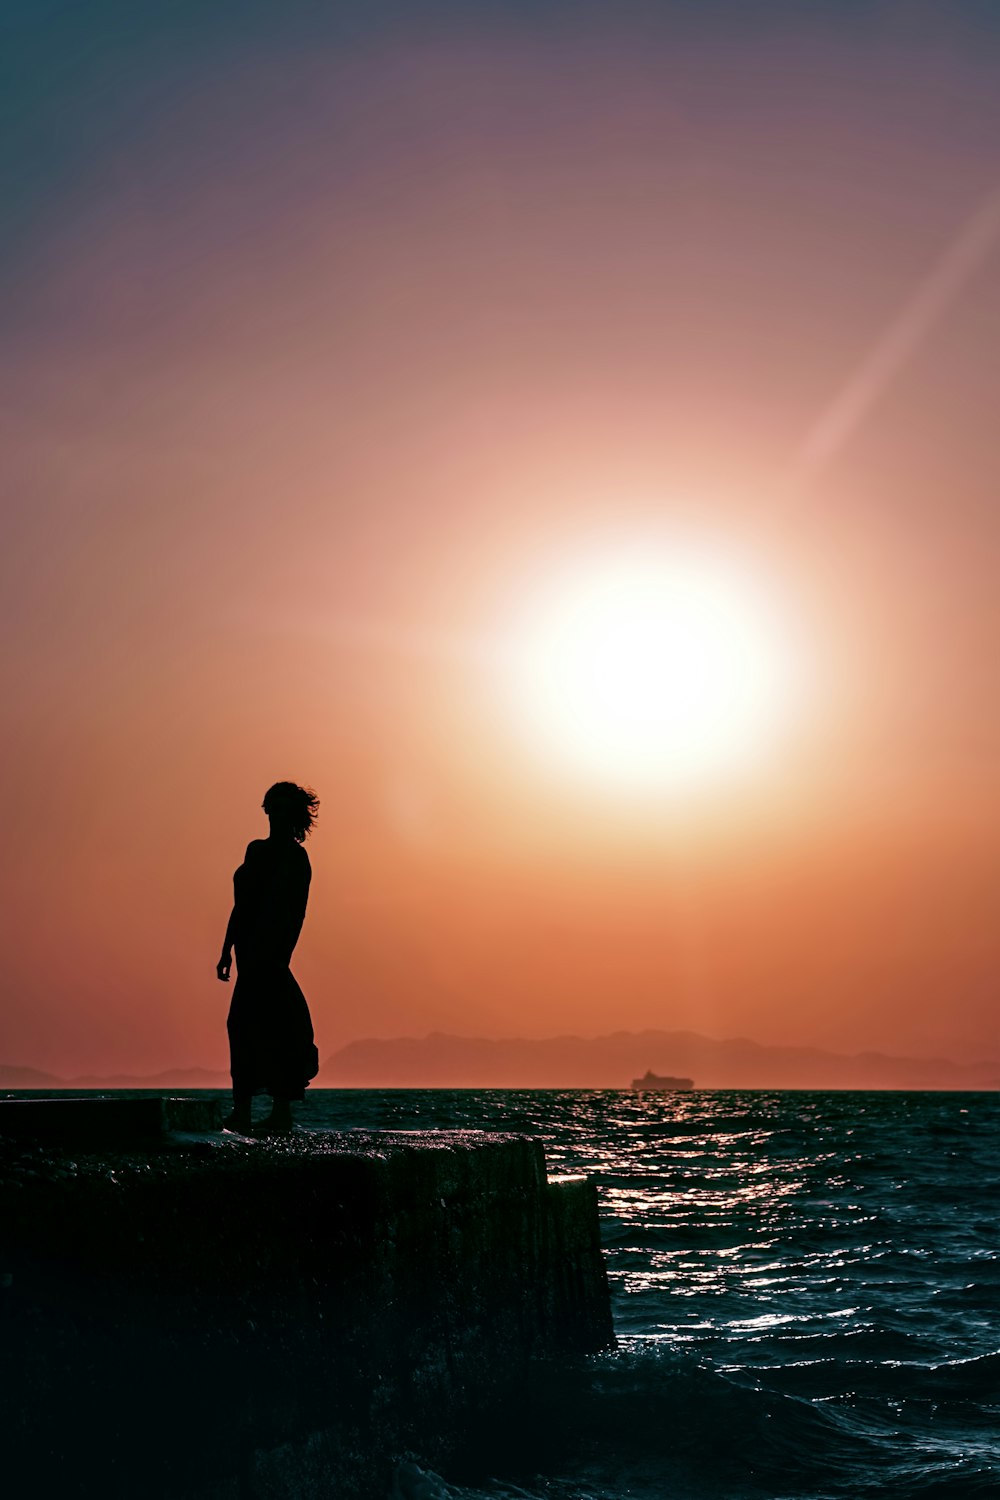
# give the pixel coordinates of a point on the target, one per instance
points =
(176, 1078)
(442, 1061)
(573, 1062)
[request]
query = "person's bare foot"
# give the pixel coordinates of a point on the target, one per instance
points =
(279, 1121)
(239, 1122)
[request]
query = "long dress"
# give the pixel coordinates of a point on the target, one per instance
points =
(271, 1044)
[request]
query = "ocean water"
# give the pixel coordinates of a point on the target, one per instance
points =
(806, 1291)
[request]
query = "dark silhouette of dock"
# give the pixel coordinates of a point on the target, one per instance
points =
(188, 1313)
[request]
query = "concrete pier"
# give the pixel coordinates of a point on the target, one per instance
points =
(90, 1118)
(193, 1318)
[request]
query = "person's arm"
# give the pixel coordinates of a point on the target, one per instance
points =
(224, 967)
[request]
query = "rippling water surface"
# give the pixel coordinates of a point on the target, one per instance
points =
(806, 1288)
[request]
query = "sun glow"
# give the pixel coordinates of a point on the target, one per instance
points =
(649, 668)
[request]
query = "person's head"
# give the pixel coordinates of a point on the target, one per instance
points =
(292, 809)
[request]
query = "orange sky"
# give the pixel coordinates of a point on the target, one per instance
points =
(319, 347)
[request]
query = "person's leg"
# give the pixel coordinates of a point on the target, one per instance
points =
(240, 1119)
(280, 1118)
(241, 1059)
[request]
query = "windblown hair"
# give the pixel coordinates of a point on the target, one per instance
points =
(294, 807)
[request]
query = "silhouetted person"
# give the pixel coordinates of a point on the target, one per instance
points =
(271, 1045)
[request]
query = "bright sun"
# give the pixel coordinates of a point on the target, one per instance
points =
(657, 667)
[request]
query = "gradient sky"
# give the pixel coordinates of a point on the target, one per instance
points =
(326, 331)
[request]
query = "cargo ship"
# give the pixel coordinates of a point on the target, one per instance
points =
(653, 1080)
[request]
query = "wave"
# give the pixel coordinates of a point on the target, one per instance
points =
(805, 1288)
(649, 1423)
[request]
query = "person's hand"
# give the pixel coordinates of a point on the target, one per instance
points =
(224, 966)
